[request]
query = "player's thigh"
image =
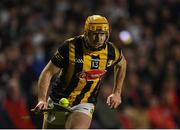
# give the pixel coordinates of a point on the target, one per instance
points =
(78, 120)
(81, 116)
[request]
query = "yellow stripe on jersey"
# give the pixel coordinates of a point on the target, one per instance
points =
(71, 64)
(81, 83)
(88, 94)
(102, 66)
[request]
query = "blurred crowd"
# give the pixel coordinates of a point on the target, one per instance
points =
(31, 31)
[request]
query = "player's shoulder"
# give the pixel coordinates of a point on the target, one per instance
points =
(69, 40)
(113, 46)
(74, 39)
(114, 52)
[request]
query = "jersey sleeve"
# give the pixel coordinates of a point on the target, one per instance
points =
(119, 56)
(60, 56)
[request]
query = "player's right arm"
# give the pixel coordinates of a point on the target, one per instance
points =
(57, 61)
(44, 83)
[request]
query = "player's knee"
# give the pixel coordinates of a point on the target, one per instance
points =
(77, 126)
(72, 123)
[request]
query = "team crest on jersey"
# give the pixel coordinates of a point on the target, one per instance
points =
(109, 63)
(91, 74)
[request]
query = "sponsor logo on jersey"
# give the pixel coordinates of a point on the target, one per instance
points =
(91, 74)
(76, 60)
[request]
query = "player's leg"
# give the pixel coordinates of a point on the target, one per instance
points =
(78, 120)
(81, 117)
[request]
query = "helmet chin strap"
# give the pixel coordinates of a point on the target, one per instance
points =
(88, 46)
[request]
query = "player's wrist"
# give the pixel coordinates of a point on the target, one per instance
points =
(41, 100)
(117, 93)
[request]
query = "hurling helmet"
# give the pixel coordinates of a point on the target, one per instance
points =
(96, 23)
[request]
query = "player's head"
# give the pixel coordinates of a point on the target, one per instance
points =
(96, 32)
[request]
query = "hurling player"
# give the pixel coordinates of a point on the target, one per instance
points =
(79, 66)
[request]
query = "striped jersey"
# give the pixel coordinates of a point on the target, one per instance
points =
(81, 70)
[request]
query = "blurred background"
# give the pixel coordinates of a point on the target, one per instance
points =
(146, 30)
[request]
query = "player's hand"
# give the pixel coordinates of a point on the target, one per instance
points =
(41, 105)
(114, 100)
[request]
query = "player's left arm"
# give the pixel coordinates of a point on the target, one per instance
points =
(114, 100)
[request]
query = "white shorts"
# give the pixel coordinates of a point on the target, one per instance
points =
(58, 118)
(86, 108)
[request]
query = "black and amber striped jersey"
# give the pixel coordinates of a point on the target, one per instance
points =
(81, 70)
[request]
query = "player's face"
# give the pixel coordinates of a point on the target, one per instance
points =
(96, 39)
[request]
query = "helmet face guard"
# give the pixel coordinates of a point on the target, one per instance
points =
(96, 24)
